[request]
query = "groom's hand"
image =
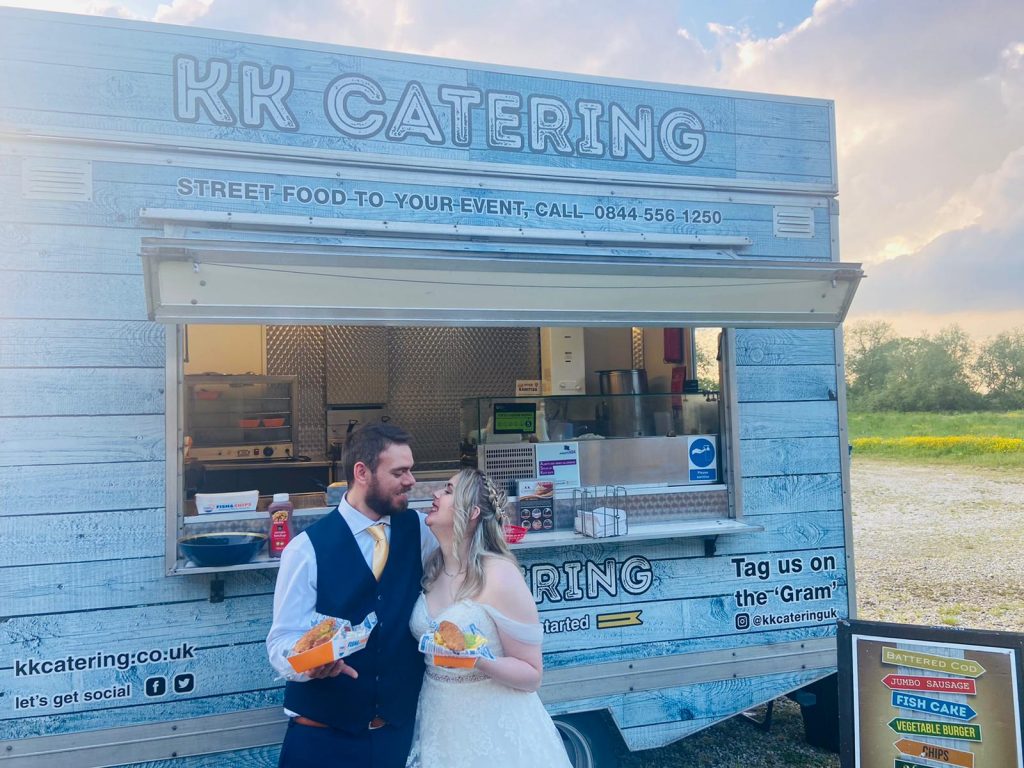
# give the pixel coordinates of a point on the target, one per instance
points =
(333, 669)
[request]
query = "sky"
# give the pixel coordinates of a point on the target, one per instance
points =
(929, 107)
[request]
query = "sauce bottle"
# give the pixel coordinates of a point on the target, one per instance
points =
(280, 511)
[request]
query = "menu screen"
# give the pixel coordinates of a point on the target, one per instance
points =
(515, 418)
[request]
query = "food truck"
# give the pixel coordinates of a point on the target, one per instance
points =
(223, 252)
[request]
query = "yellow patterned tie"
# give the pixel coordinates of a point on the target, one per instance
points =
(380, 549)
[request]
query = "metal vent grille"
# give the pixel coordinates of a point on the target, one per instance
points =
(508, 463)
(45, 179)
(792, 222)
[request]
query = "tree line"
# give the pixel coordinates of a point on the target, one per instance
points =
(947, 371)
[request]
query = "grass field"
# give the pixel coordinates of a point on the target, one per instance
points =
(983, 439)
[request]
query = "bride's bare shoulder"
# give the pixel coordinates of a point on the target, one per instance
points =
(501, 568)
(506, 589)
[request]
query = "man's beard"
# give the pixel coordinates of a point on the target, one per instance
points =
(382, 504)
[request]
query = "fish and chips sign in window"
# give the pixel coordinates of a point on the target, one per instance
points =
(927, 697)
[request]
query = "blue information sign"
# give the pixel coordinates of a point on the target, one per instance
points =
(703, 458)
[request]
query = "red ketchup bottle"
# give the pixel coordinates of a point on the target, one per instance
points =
(280, 511)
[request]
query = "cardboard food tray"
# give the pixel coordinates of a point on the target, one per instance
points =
(238, 501)
(345, 641)
(443, 657)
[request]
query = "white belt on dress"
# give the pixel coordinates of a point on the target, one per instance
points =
(446, 677)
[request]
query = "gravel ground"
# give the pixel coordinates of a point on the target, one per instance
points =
(939, 545)
(932, 545)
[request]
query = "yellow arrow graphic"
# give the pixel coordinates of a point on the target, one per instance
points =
(612, 620)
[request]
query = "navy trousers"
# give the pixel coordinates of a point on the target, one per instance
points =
(310, 747)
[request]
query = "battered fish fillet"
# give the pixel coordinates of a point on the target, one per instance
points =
(451, 636)
(321, 633)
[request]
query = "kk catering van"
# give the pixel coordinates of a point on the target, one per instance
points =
(220, 253)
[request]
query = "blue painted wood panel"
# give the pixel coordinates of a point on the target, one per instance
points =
(113, 537)
(31, 295)
(785, 347)
(81, 370)
(786, 494)
(81, 391)
(119, 77)
(122, 190)
(700, 706)
(258, 757)
(761, 384)
(670, 578)
(55, 489)
(80, 343)
(653, 650)
(794, 532)
(160, 709)
(709, 700)
(786, 456)
(83, 440)
(797, 420)
(117, 581)
(699, 620)
(43, 247)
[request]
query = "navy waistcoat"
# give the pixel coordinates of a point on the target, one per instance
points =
(390, 666)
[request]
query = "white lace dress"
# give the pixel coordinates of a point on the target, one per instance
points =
(467, 720)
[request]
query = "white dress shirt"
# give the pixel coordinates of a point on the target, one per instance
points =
(295, 592)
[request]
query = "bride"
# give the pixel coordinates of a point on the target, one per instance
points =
(474, 579)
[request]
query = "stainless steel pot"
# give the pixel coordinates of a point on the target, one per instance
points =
(631, 381)
(622, 415)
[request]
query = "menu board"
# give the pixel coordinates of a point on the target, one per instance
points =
(536, 504)
(926, 697)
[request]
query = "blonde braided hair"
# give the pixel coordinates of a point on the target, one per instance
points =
(498, 498)
(472, 489)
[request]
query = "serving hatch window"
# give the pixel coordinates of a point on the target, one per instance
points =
(431, 324)
(266, 408)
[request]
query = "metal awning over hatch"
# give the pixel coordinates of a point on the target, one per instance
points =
(226, 281)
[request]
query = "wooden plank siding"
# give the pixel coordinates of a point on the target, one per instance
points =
(58, 78)
(81, 344)
(40, 247)
(82, 375)
(122, 189)
(81, 391)
(789, 447)
(259, 757)
(49, 489)
(102, 717)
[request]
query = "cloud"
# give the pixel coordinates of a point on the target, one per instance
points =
(970, 270)
(930, 134)
(921, 106)
(929, 98)
(978, 268)
(567, 35)
(182, 11)
(87, 7)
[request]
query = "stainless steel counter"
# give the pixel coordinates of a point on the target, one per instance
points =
(214, 466)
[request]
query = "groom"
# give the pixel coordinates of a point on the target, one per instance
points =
(366, 555)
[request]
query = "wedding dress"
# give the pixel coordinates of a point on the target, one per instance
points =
(467, 720)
